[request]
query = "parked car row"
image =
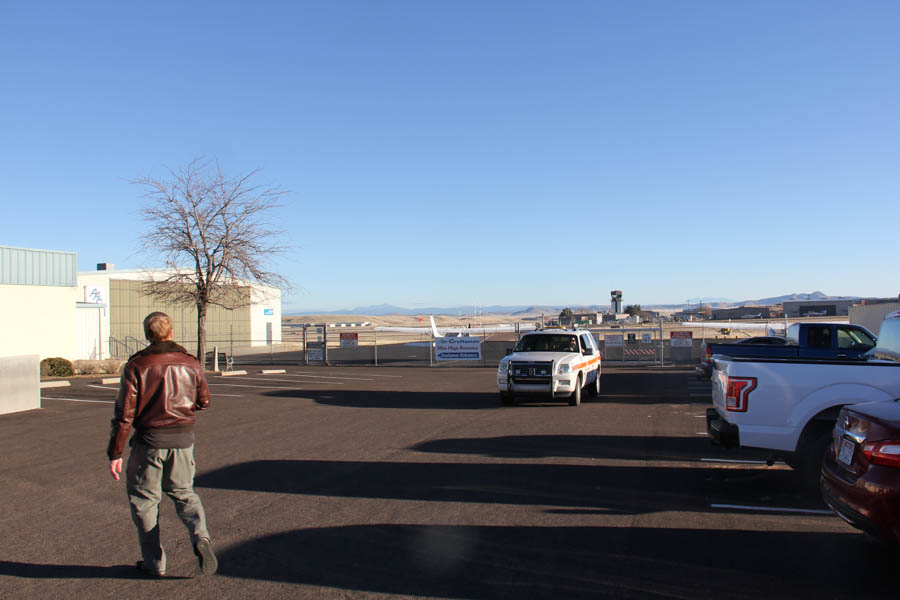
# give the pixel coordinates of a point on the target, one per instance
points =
(835, 420)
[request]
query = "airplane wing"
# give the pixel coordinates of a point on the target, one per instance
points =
(733, 325)
(435, 332)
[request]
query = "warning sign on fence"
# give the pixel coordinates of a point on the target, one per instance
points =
(349, 340)
(681, 339)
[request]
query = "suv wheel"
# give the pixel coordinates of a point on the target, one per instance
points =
(594, 390)
(575, 398)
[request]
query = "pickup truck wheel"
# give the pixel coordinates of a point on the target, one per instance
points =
(594, 389)
(575, 398)
(810, 463)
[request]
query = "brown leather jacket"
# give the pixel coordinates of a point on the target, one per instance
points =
(161, 387)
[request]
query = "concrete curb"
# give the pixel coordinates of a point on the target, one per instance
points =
(271, 371)
(54, 384)
(231, 373)
(108, 380)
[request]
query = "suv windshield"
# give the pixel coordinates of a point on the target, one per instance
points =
(547, 343)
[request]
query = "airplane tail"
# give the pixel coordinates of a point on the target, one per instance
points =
(434, 329)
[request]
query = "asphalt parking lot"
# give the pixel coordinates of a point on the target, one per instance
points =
(364, 482)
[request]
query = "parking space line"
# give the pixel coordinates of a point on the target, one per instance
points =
(739, 461)
(79, 400)
(270, 387)
(308, 377)
(290, 381)
(101, 387)
(810, 511)
(308, 374)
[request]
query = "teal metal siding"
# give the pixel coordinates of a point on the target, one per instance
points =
(23, 266)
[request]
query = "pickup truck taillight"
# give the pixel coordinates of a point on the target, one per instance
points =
(708, 354)
(885, 453)
(737, 393)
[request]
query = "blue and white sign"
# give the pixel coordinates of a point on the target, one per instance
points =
(457, 348)
(95, 294)
(269, 311)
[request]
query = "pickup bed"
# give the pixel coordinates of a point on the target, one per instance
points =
(789, 405)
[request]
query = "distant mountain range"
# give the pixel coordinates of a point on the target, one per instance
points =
(379, 310)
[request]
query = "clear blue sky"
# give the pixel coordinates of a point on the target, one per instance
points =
(438, 153)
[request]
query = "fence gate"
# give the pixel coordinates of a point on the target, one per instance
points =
(630, 344)
(315, 345)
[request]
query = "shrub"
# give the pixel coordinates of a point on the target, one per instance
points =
(109, 366)
(56, 367)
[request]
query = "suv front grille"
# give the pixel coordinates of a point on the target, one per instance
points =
(531, 372)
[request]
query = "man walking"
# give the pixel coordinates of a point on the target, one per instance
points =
(161, 387)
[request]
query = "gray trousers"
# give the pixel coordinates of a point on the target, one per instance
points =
(150, 472)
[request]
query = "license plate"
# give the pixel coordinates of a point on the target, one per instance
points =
(846, 453)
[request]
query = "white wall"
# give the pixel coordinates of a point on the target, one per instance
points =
(265, 299)
(20, 388)
(38, 319)
(91, 341)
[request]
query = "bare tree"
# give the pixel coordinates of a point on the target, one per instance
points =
(213, 234)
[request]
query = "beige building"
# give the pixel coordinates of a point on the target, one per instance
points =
(871, 312)
(38, 294)
(122, 304)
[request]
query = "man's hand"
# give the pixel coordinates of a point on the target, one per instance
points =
(115, 467)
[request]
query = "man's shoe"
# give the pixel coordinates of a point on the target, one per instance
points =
(208, 562)
(139, 565)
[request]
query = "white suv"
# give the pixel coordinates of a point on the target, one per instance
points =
(556, 363)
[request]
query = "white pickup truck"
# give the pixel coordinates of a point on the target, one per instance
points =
(554, 363)
(790, 405)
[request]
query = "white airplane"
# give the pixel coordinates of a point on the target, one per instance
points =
(769, 325)
(456, 331)
(815, 313)
(756, 316)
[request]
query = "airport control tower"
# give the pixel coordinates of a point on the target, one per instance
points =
(615, 301)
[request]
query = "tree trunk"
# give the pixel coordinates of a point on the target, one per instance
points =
(201, 332)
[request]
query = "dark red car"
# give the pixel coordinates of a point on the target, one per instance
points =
(861, 470)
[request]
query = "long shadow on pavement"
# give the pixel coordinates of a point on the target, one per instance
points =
(393, 399)
(44, 571)
(606, 489)
(569, 562)
(589, 446)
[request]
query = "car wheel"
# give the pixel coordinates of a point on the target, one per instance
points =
(594, 389)
(575, 398)
(506, 399)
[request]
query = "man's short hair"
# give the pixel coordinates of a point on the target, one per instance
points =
(157, 326)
